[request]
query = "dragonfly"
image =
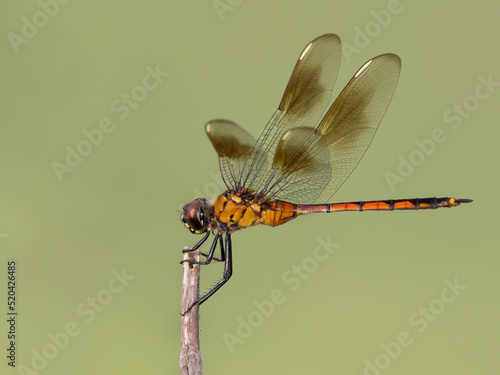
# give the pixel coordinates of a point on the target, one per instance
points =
(303, 155)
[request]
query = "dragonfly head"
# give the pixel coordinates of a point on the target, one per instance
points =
(194, 216)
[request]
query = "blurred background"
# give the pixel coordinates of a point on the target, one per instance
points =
(102, 142)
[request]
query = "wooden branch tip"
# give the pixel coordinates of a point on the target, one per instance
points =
(190, 360)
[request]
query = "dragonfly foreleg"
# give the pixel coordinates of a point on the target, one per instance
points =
(210, 255)
(228, 271)
(195, 247)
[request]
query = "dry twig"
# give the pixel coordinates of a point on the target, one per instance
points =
(190, 360)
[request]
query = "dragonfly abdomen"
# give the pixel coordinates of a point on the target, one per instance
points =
(397, 204)
(384, 205)
(278, 212)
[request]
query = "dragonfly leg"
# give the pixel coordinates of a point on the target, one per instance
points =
(195, 247)
(228, 271)
(222, 257)
(210, 254)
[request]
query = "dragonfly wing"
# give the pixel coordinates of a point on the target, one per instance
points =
(304, 102)
(303, 161)
(312, 164)
(352, 121)
(233, 144)
(310, 86)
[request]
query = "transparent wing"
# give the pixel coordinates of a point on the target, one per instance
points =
(293, 159)
(304, 102)
(233, 144)
(310, 164)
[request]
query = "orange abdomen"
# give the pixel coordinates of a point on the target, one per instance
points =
(278, 212)
(236, 212)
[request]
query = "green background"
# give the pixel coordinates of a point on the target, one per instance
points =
(119, 208)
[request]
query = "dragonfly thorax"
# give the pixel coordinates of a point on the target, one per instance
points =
(234, 210)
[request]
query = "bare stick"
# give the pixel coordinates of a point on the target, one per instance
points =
(190, 361)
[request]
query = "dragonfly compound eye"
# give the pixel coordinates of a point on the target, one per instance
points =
(193, 217)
